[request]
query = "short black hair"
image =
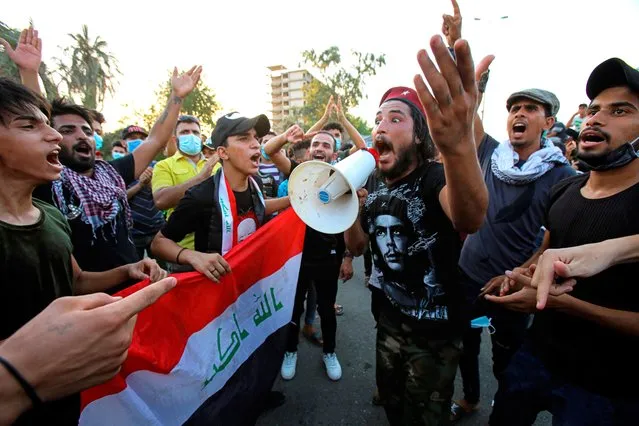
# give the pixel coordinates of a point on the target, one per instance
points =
(97, 116)
(17, 99)
(118, 143)
(324, 132)
(61, 106)
(333, 125)
(300, 146)
(186, 119)
(583, 105)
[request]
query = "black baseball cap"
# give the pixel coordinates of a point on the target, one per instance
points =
(612, 73)
(234, 123)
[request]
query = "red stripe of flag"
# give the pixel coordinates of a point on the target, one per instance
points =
(159, 340)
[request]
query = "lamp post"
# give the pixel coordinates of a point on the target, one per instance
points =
(483, 100)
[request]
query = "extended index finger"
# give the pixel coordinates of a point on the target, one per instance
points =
(456, 10)
(542, 279)
(140, 300)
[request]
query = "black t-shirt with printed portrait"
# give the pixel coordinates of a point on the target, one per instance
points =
(416, 249)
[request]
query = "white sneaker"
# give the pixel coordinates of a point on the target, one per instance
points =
(333, 369)
(288, 365)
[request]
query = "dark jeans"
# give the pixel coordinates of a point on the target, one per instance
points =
(377, 299)
(527, 388)
(510, 329)
(324, 277)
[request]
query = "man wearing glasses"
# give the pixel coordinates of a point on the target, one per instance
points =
(183, 170)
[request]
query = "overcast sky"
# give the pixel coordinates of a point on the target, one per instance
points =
(550, 44)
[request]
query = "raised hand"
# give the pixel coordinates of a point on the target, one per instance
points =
(339, 110)
(450, 109)
(146, 176)
(452, 25)
(294, 134)
(329, 107)
(184, 84)
(28, 52)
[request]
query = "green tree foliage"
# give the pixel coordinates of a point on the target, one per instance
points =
(201, 103)
(88, 69)
(10, 70)
(338, 79)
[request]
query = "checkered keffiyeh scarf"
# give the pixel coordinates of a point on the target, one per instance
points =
(101, 197)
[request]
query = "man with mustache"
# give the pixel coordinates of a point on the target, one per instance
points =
(518, 174)
(579, 359)
(420, 326)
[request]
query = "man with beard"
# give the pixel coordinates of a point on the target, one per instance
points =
(324, 260)
(92, 194)
(579, 359)
(420, 325)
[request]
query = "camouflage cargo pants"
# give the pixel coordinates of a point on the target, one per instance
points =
(415, 374)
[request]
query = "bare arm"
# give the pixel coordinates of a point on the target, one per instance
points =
(322, 121)
(621, 321)
(161, 131)
(273, 148)
(27, 56)
(94, 282)
(355, 237)
(276, 204)
(169, 196)
(569, 124)
(133, 191)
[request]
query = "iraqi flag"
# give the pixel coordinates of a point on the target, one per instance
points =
(207, 353)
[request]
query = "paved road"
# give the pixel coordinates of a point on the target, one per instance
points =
(312, 399)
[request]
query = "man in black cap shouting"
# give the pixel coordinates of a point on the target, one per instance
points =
(579, 359)
(227, 207)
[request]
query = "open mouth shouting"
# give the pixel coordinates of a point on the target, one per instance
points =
(518, 129)
(53, 160)
(83, 149)
(384, 148)
(589, 138)
(319, 156)
(255, 159)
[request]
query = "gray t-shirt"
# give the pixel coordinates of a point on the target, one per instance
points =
(513, 221)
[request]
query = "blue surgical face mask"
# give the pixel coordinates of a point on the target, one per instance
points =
(98, 141)
(190, 144)
(117, 155)
(483, 322)
(133, 145)
(338, 143)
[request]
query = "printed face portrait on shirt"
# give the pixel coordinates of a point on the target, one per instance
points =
(392, 240)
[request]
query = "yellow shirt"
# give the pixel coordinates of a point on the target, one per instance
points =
(174, 171)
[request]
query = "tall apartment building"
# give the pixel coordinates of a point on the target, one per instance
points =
(287, 92)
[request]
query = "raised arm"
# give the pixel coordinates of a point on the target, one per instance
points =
(273, 148)
(27, 56)
(165, 194)
(161, 131)
(450, 112)
(322, 121)
(358, 140)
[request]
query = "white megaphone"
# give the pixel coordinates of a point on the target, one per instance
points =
(324, 196)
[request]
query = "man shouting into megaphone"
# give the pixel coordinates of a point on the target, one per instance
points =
(412, 224)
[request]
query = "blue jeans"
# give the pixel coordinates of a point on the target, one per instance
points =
(528, 388)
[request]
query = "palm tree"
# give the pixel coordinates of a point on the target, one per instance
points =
(89, 71)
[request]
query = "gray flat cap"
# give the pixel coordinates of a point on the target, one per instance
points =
(544, 97)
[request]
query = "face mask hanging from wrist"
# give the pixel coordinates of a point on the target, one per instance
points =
(612, 160)
(190, 144)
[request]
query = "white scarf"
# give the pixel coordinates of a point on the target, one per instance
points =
(229, 211)
(504, 159)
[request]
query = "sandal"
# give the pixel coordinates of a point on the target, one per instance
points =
(339, 310)
(458, 412)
